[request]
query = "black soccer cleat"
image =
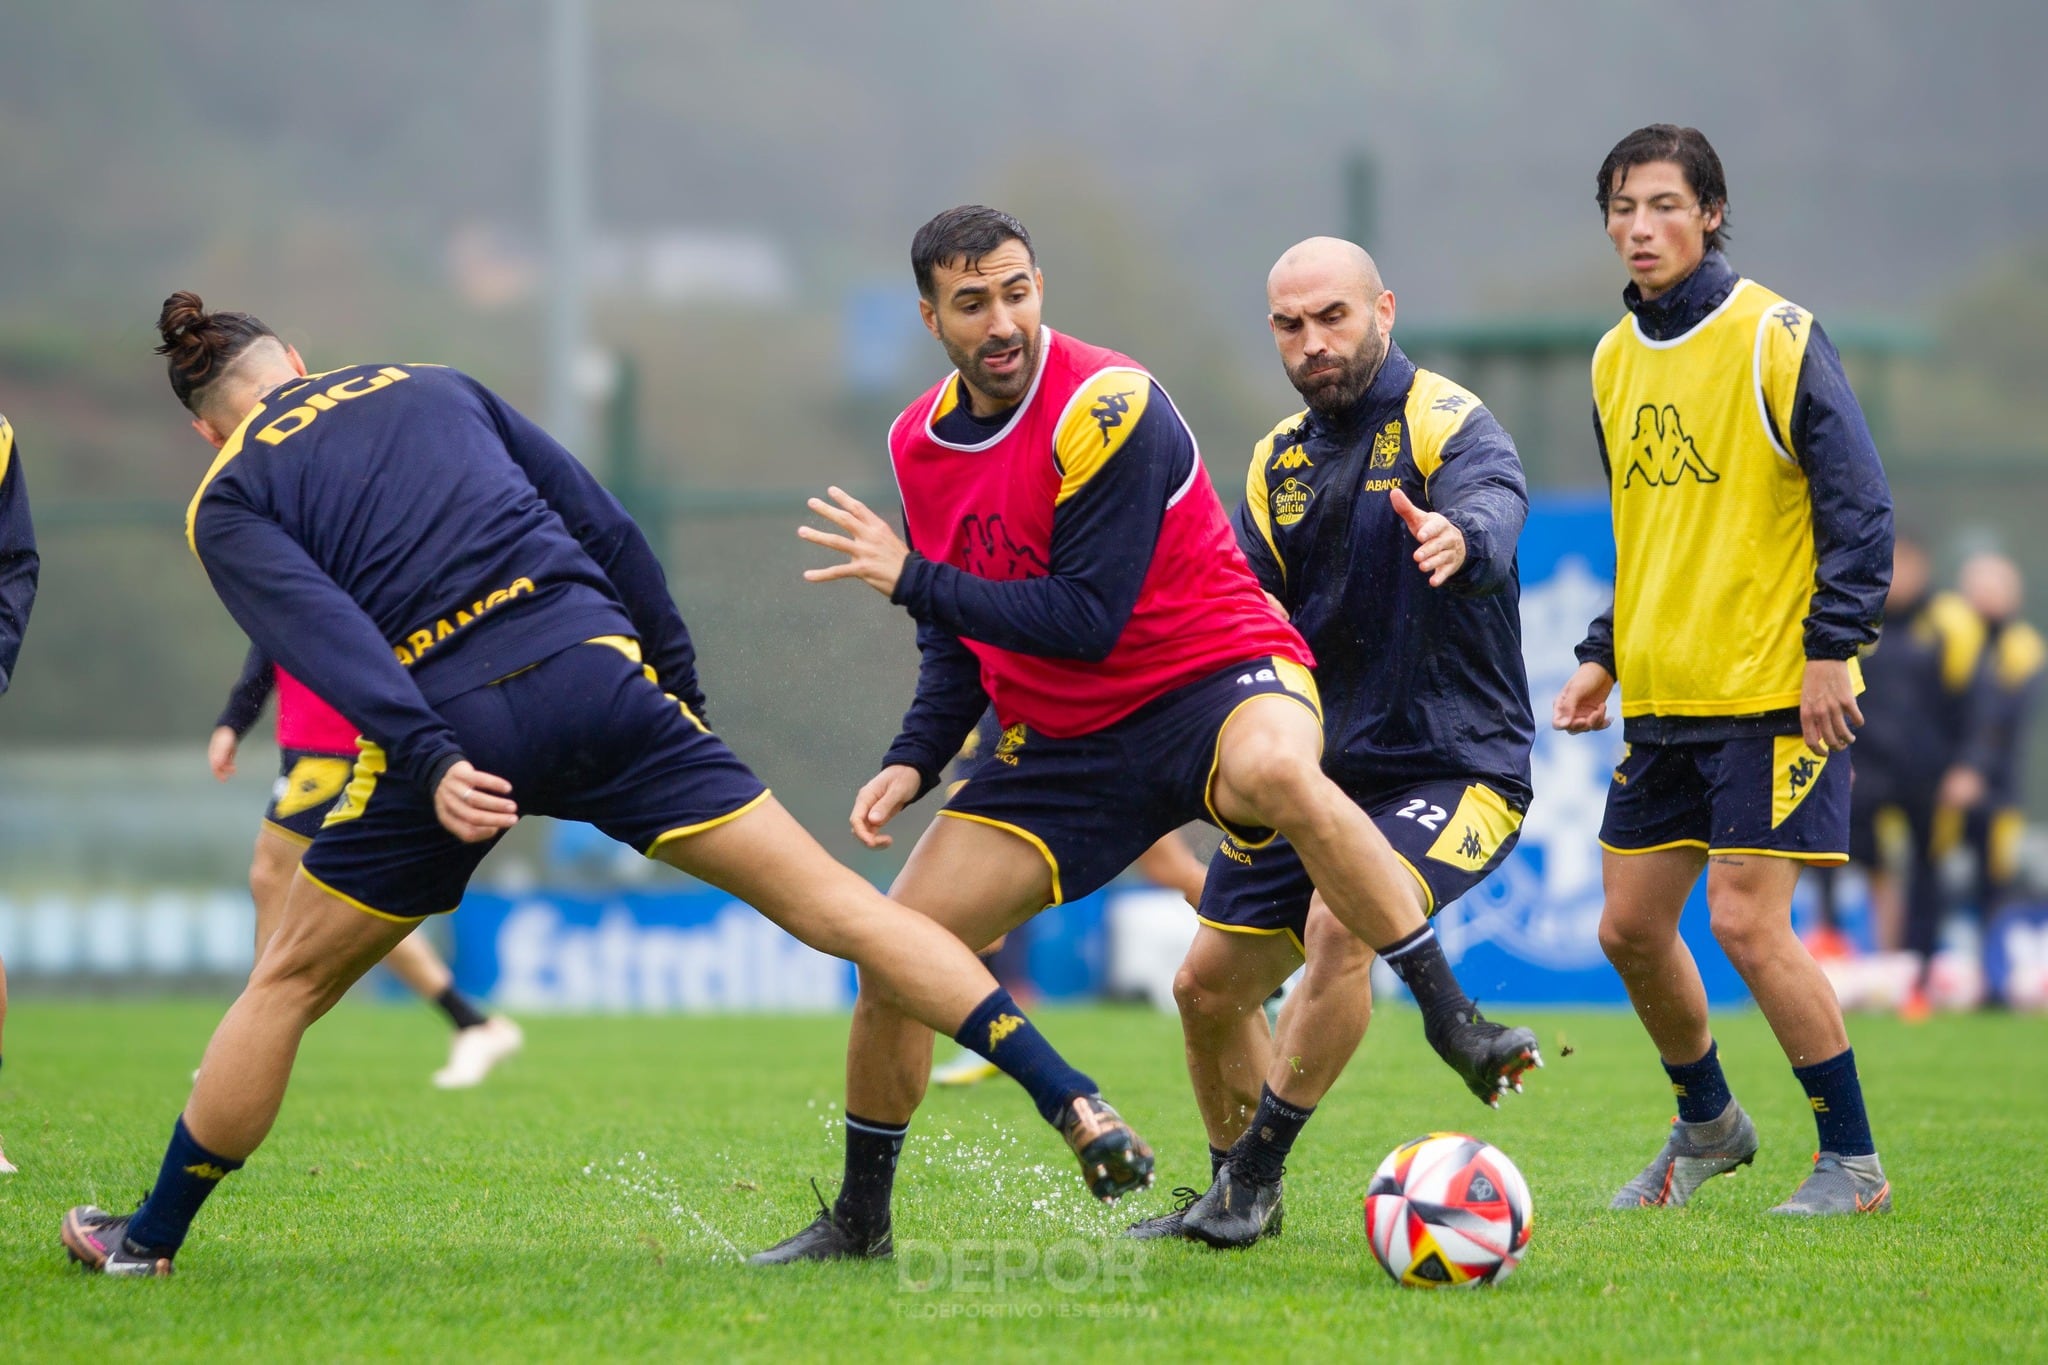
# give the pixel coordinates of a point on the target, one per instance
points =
(1490, 1057)
(99, 1241)
(1236, 1211)
(1171, 1223)
(828, 1239)
(1114, 1159)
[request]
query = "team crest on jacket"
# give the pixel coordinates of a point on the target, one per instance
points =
(1291, 500)
(1661, 452)
(1386, 447)
(990, 553)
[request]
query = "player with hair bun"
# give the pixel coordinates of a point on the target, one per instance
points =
(472, 600)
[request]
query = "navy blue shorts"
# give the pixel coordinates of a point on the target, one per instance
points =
(1768, 795)
(1449, 835)
(585, 734)
(309, 782)
(1091, 804)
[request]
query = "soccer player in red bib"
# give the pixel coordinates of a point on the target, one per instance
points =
(316, 755)
(1068, 562)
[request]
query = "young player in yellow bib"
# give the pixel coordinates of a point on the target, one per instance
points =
(1753, 544)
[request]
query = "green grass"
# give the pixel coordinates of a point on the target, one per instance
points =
(587, 1202)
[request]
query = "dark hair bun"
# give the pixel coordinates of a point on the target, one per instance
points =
(199, 344)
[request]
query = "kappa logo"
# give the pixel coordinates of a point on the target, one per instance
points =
(1291, 500)
(1469, 846)
(1009, 744)
(1386, 447)
(990, 553)
(1001, 1027)
(1661, 452)
(1109, 411)
(1450, 402)
(1798, 774)
(1294, 457)
(1789, 317)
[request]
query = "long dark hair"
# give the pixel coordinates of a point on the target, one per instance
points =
(200, 345)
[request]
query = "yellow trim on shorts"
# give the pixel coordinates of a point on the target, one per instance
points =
(1700, 844)
(1028, 837)
(366, 909)
(1793, 855)
(1428, 896)
(289, 835)
(684, 831)
(1298, 685)
(1293, 937)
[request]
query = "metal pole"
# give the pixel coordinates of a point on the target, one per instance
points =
(568, 210)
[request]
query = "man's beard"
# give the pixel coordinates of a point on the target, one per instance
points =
(1333, 389)
(1003, 388)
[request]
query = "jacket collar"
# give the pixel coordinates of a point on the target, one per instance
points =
(1388, 388)
(1682, 307)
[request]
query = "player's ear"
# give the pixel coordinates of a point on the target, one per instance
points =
(1038, 278)
(1383, 308)
(1710, 219)
(291, 353)
(208, 434)
(930, 315)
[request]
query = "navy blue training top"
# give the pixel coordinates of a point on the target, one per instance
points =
(395, 535)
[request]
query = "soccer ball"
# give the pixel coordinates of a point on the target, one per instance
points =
(1447, 1211)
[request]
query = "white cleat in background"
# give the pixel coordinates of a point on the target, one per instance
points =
(476, 1050)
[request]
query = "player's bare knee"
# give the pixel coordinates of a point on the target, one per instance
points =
(1748, 929)
(1627, 938)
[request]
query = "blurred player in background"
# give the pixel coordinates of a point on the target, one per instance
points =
(19, 569)
(1922, 686)
(1074, 569)
(1383, 519)
(316, 754)
(1986, 784)
(1753, 543)
(413, 549)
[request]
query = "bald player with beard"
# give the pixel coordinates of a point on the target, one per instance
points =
(1383, 520)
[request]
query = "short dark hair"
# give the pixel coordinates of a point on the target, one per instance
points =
(1686, 148)
(967, 234)
(200, 345)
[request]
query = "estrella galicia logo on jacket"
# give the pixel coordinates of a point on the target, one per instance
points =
(1001, 1027)
(1661, 452)
(1109, 411)
(1291, 500)
(990, 553)
(1386, 446)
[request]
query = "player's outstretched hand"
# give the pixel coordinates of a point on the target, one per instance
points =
(474, 806)
(1441, 552)
(874, 552)
(220, 752)
(1827, 706)
(1582, 706)
(886, 793)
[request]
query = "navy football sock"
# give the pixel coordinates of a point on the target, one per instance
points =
(1419, 961)
(1262, 1150)
(1701, 1089)
(1217, 1156)
(871, 1152)
(1837, 1098)
(460, 1009)
(189, 1175)
(998, 1030)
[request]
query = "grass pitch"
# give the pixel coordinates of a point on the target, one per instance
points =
(593, 1199)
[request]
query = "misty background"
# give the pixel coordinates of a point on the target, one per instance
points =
(370, 181)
